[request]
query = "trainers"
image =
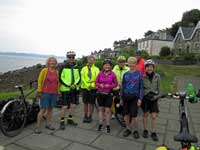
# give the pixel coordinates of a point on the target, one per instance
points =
(100, 127)
(154, 136)
(145, 134)
(70, 121)
(37, 131)
(136, 134)
(112, 116)
(108, 129)
(90, 119)
(49, 127)
(127, 132)
(62, 125)
(85, 119)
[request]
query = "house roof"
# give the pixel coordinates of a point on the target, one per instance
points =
(187, 33)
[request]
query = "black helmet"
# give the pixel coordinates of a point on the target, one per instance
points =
(107, 61)
(138, 53)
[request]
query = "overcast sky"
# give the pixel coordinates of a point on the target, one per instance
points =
(55, 26)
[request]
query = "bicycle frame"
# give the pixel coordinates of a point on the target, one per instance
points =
(184, 135)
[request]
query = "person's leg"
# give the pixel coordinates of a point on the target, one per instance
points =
(85, 105)
(107, 117)
(153, 122)
(63, 110)
(127, 118)
(70, 119)
(154, 112)
(101, 117)
(153, 125)
(134, 119)
(39, 117)
(145, 116)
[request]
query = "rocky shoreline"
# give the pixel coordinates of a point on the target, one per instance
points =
(19, 77)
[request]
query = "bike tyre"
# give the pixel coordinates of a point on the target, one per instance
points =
(13, 118)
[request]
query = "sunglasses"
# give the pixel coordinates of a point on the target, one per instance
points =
(71, 57)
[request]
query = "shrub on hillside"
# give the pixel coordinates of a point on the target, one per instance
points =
(165, 51)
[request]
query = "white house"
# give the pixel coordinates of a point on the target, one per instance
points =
(155, 41)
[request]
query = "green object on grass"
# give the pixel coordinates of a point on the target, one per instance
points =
(191, 93)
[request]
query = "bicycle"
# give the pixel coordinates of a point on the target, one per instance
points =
(184, 135)
(13, 116)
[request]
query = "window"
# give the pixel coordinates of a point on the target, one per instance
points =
(197, 45)
(198, 36)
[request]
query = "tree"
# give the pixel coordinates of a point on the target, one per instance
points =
(148, 33)
(165, 51)
(189, 19)
(173, 30)
(192, 16)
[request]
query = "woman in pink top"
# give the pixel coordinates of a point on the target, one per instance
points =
(48, 89)
(105, 82)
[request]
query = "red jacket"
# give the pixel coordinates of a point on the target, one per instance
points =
(140, 66)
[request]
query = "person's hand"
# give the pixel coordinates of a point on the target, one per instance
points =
(39, 94)
(106, 85)
(139, 102)
(73, 86)
(102, 85)
(89, 87)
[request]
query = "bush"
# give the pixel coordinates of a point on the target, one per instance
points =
(165, 51)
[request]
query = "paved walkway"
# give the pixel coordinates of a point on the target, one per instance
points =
(86, 137)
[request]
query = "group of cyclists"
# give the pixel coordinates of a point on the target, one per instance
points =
(134, 84)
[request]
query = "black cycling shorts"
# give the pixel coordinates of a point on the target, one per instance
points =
(130, 105)
(70, 97)
(89, 96)
(104, 100)
(150, 106)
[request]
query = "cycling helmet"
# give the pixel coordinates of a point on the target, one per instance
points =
(71, 53)
(121, 58)
(149, 62)
(107, 61)
(138, 53)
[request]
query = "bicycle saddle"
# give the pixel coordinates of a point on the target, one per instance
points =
(19, 86)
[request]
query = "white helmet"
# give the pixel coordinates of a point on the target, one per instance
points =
(149, 62)
(71, 53)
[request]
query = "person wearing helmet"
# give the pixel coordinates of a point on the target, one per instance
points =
(119, 71)
(69, 77)
(151, 89)
(140, 62)
(131, 93)
(88, 77)
(105, 82)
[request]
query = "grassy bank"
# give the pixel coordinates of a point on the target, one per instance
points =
(15, 94)
(169, 72)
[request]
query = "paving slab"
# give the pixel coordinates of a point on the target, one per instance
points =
(8, 140)
(77, 135)
(13, 147)
(107, 142)
(43, 141)
(169, 140)
(78, 146)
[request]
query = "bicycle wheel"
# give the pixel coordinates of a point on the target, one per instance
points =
(120, 118)
(119, 113)
(13, 118)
